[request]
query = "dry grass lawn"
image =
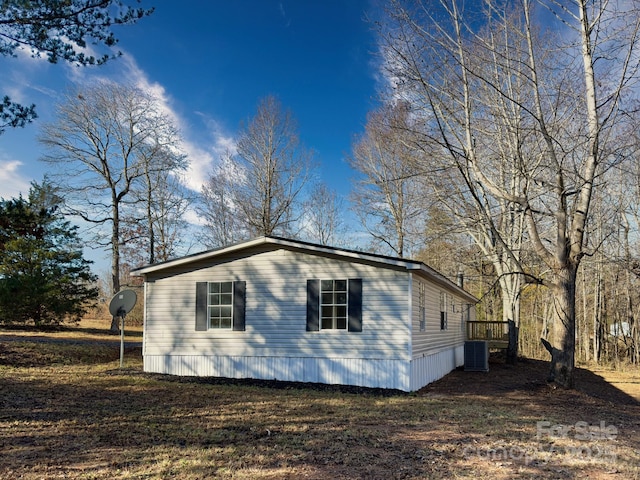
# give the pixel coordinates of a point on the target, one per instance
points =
(68, 411)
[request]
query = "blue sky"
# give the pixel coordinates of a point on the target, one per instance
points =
(211, 62)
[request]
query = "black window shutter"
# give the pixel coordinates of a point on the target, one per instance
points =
(201, 306)
(313, 305)
(355, 305)
(239, 290)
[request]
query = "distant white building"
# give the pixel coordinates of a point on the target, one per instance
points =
(621, 329)
(274, 308)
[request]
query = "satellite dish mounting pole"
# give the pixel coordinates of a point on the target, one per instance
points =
(120, 305)
(122, 313)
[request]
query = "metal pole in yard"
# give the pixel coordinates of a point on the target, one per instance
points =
(122, 315)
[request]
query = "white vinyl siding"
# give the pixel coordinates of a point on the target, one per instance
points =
(430, 367)
(276, 310)
(397, 342)
(432, 339)
(373, 373)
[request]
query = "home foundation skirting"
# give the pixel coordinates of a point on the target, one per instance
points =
(344, 371)
(373, 373)
(430, 368)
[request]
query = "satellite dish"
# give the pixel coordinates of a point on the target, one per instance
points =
(122, 303)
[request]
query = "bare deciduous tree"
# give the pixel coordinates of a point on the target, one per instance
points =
(165, 197)
(218, 210)
(274, 168)
(387, 196)
(324, 217)
(529, 121)
(153, 229)
(106, 140)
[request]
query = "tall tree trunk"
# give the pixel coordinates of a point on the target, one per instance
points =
(510, 291)
(564, 328)
(635, 340)
(585, 319)
(115, 260)
(597, 310)
(149, 201)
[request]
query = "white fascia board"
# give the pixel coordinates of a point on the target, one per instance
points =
(410, 265)
(440, 279)
(275, 241)
(196, 257)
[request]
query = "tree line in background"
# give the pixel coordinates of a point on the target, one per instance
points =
(525, 115)
(505, 148)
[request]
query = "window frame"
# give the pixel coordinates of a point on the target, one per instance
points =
(238, 313)
(355, 317)
(443, 311)
(220, 305)
(335, 306)
(422, 306)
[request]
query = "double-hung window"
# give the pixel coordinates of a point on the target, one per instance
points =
(220, 304)
(422, 306)
(333, 304)
(443, 311)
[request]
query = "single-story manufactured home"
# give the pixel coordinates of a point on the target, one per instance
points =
(276, 308)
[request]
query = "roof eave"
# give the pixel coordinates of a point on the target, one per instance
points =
(273, 241)
(410, 265)
(437, 277)
(140, 271)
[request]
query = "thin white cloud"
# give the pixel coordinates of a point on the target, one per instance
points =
(192, 217)
(27, 56)
(223, 143)
(20, 76)
(15, 91)
(12, 181)
(220, 145)
(199, 160)
(283, 13)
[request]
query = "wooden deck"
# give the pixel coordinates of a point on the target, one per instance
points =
(496, 333)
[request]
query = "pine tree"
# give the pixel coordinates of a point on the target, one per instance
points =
(60, 30)
(44, 278)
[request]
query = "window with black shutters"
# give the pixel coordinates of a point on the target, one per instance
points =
(220, 305)
(334, 304)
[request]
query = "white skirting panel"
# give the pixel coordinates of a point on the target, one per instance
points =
(430, 368)
(343, 371)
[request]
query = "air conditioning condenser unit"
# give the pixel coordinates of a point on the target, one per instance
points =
(476, 356)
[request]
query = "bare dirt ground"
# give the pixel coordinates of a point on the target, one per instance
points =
(618, 387)
(579, 432)
(68, 411)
